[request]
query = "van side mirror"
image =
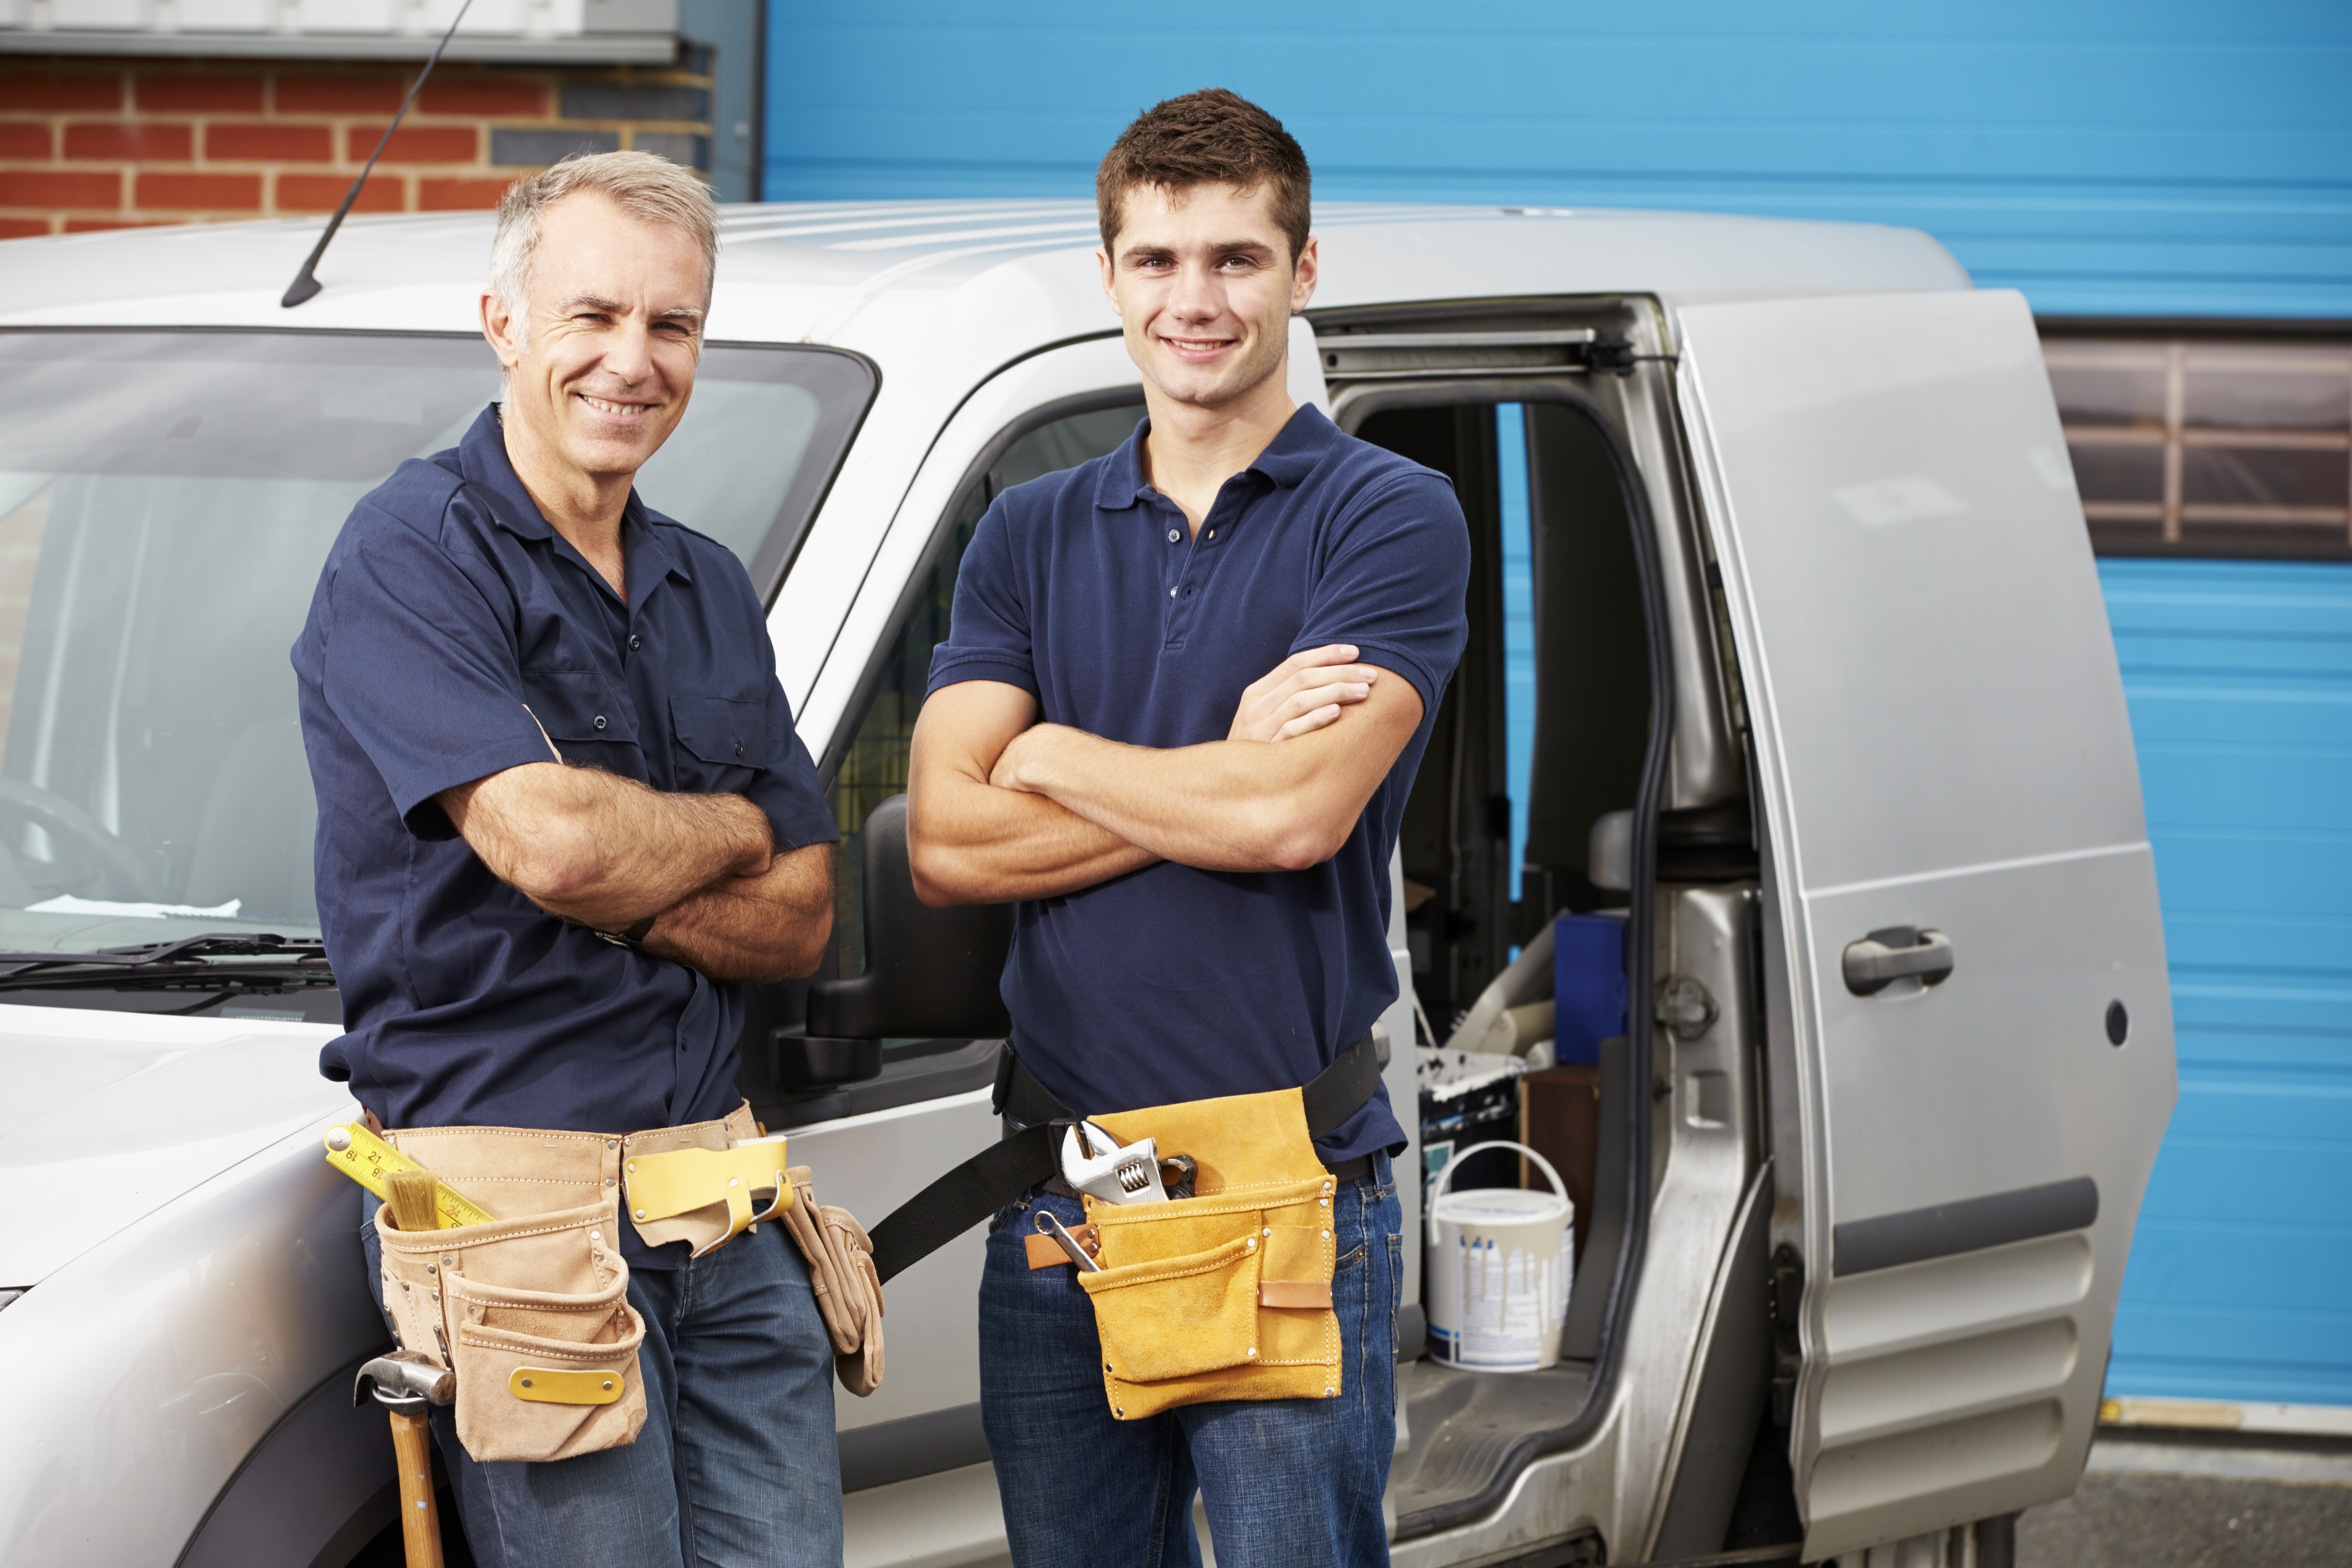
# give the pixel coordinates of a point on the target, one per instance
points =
(930, 974)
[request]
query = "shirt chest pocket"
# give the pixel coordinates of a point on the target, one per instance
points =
(716, 735)
(577, 710)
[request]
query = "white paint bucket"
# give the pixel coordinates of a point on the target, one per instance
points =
(1495, 1284)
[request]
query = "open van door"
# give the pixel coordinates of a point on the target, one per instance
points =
(1971, 1032)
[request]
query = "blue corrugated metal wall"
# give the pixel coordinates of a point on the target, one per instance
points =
(2104, 155)
(2108, 158)
(2239, 679)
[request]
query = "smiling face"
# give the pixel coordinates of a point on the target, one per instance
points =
(1205, 284)
(600, 373)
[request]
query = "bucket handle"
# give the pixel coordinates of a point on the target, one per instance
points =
(1437, 1189)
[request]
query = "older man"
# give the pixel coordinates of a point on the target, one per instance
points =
(562, 815)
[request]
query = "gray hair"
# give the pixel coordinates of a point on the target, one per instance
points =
(649, 188)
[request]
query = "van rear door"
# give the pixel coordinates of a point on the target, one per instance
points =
(1971, 1030)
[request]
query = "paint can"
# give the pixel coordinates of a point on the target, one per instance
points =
(1496, 1274)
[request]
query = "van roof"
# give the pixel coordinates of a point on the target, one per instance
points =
(889, 277)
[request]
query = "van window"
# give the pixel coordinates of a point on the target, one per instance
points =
(2208, 447)
(166, 501)
(873, 762)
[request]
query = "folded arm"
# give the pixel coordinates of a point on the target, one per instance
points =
(1227, 805)
(771, 925)
(1001, 808)
(969, 842)
(605, 850)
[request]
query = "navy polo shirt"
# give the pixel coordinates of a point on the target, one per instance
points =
(1084, 588)
(451, 624)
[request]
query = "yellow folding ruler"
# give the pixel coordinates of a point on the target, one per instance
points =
(368, 1160)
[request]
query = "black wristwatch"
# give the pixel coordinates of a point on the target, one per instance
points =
(633, 937)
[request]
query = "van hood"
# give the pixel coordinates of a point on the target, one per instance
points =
(105, 1117)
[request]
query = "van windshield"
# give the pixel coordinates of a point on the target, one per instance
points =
(167, 500)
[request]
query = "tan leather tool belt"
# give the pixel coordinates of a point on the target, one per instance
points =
(1225, 1294)
(532, 1310)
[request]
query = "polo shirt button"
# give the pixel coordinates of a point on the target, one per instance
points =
(739, 751)
(600, 721)
(1171, 536)
(633, 642)
(1172, 592)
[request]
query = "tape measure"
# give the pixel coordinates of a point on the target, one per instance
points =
(368, 1160)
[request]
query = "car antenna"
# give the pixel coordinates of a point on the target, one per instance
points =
(305, 285)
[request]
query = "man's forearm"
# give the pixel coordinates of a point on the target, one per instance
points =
(601, 850)
(1226, 805)
(972, 843)
(770, 926)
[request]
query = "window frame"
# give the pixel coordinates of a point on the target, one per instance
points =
(2167, 345)
(780, 545)
(977, 472)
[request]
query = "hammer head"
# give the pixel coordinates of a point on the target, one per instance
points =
(405, 1381)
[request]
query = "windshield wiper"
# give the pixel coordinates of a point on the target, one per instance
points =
(220, 964)
(187, 952)
(221, 967)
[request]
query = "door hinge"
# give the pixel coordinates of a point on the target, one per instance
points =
(1786, 1290)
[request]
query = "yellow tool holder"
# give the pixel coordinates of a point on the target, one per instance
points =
(369, 1160)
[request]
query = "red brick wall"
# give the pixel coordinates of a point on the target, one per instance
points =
(102, 144)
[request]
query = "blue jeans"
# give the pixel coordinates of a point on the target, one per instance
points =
(735, 1465)
(1287, 1482)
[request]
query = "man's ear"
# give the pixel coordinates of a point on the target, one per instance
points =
(1302, 276)
(501, 328)
(1102, 259)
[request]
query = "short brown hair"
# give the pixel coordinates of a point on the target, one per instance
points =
(1210, 137)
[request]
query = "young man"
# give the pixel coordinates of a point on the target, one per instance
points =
(541, 899)
(1203, 912)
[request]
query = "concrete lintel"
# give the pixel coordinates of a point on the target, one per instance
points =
(592, 49)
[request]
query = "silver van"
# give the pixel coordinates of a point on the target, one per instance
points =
(1814, 609)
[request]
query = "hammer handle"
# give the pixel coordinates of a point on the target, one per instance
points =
(420, 1522)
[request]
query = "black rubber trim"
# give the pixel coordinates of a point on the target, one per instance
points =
(912, 1446)
(1633, 1238)
(1972, 1224)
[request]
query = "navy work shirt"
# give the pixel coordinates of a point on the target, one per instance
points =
(451, 624)
(1084, 588)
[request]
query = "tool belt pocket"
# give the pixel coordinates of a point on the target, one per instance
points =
(1222, 1297)
(533, 1314)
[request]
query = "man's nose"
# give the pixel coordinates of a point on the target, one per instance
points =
(1197, 296)
(628, 353)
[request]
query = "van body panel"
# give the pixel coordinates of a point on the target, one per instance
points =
(174, 1347)
(201, 1092)
(1940, 742)
(1916, 688)
(869, 1165)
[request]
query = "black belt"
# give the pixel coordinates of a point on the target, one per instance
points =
(1028, 1158)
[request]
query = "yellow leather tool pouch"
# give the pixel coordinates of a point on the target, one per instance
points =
(1226, 1294)
(700, 1195)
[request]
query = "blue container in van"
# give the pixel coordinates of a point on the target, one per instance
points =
(1588, 979)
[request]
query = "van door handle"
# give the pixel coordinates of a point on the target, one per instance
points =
(1898, 952)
